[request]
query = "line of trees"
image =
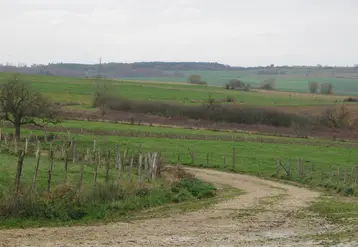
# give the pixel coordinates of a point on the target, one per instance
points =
(196, 79)
(323, 88)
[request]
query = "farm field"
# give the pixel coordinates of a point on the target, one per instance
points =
(92, 128)
(81, 91)
(237, 159)
(251, 157)
(293, 81)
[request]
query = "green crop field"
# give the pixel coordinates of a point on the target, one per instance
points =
(81, 91)
(292, 82)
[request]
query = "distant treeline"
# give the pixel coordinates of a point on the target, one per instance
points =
(154, 69)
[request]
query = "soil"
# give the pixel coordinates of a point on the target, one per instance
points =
(266, 215)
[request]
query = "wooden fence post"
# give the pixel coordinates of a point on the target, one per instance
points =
(146, 168)
(81, 175)
(154, 166)
(119, 168)
(107, 166)
(38, 155)
(66, 164)
(20, 162)
(74, 152)
(140, 167)
(178, 162)
(26, 144)
(207, 159)
(50, 172)
(94, 179)
(233, 157)
(99, 158)
(225, 161)
(131, 169)
(278, 168)
(192, 155)
(45, 136)
(88, 156)
(94, 145)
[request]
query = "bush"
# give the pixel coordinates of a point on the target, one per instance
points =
(196, 187)
(211, 111)
(336, 117)
(65, 204)
(196, 79)
(234, 84)
(326, 88)
(268, 84)
(230, 99)
(350, 99)
(313, 87)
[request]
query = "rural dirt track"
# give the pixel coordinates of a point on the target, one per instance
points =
(266, 215)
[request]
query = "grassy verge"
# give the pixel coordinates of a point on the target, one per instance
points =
(340, 212)
(67, 204)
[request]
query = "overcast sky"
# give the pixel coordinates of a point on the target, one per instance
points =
(235, 32)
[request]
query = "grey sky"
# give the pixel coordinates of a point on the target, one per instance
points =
(236, 32)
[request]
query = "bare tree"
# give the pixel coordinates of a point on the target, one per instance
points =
(20, 105)
(313, 87)
(326, 88)
(337, 117)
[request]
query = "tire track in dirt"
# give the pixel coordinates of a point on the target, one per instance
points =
(263, 216)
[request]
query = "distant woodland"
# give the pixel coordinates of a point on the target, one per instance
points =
(150, 69)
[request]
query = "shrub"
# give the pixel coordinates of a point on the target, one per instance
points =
(234, 84)
(313, 87)
(210, 110)
(326, 88)
(230, 99)
(268, 84)
(196, 187)
(350, 99)
(247, 87)
(336, 117)
(196, 79)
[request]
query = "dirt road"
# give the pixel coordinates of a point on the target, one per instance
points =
(266, 215)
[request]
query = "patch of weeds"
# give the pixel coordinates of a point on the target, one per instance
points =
(196, 187)
(335, 209)
(67, 206)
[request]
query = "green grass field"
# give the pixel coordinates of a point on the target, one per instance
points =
(81, 91)
(326, 164)
(294, 82)
(321, 163)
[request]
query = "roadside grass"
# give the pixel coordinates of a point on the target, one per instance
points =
(66, 205)
(341, 213)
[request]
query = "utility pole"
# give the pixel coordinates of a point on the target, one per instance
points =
(99, 68)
